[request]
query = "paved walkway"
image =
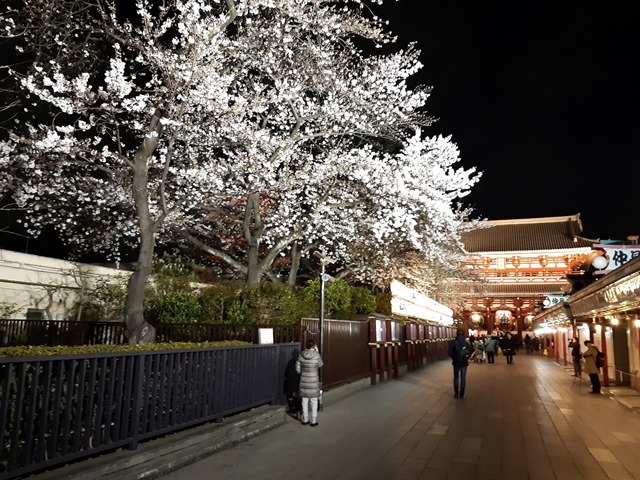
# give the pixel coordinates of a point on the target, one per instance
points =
(530, 420)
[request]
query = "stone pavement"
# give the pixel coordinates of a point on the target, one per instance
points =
(530, 420)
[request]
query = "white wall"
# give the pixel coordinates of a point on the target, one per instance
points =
(32, 281)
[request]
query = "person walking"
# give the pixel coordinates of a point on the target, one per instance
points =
(308, 365)
(574, 345)
(490, 346)
(478, 348)
(590, 367)
(508, 347)
(528, 343)
(459, 351)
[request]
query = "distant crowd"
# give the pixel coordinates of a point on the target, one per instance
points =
(487, 347)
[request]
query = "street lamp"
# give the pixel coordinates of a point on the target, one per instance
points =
(324, 277)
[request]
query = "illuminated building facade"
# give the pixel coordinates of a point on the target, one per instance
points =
(522, 265)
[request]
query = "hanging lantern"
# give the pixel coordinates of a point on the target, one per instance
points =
(528, 320)
(476, 319)
(600, 262)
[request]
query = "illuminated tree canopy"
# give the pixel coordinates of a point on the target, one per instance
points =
(254, 130)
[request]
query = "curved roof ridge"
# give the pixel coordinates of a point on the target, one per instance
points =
(516, 221)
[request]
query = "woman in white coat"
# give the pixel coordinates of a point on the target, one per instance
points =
(308, 365)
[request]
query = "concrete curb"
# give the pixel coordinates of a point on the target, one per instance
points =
(154, 458)
(157, 457)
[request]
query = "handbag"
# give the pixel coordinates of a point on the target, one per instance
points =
(499, 351)
(599, 358)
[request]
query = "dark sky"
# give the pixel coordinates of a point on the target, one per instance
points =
(543, 97)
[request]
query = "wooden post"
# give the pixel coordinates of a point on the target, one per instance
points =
(410, 355)
(373, 347)
(396, 358)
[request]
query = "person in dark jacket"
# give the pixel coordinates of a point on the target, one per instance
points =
(292, 386)
(460, 362)
(508, 346)
(308, 365)
(528, 343)
(536, 344)
(574, 345)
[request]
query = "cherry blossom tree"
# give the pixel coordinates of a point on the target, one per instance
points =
(250, 128)
(317, 142)
(413, 219)
(125, 106)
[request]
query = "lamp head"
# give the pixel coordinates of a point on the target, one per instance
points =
(323, 258)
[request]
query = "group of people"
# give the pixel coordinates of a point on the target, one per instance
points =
(590, 356)
(533, 344)
(487, 347)
(462, 350)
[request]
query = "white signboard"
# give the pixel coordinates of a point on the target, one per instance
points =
(553, 299)
(410, 303)
(617, 255)
(265, 335)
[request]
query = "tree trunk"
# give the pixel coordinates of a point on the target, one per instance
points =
(253, 265)
(138, 330)
(296, 253)
(253, 228)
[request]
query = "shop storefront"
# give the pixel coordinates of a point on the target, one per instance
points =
(608, 312)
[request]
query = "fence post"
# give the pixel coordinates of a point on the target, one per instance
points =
(51, 332)
(136, 393)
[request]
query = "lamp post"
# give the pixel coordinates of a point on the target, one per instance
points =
(324, 277)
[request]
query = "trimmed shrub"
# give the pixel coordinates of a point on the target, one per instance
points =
(39, 351)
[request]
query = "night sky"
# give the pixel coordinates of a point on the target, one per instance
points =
(542, 97)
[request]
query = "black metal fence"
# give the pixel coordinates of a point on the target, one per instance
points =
(57, 409)
(15, 332)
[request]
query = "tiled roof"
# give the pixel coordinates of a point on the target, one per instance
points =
(550, 233)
